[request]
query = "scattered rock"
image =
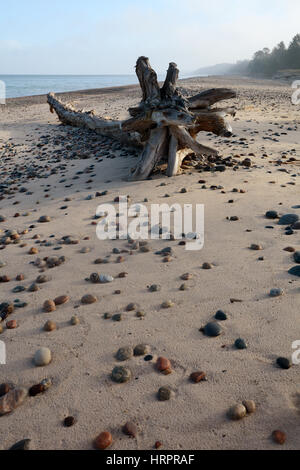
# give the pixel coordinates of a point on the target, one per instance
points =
(89, 299)
(44, 219)
(276, 293)
(284, 363)
(63, 299)
(103, 441)
(288, 219)
(69, 421)
(198, 377)
(42, 357)
(221, 316)
(49, 306)
(163, 364)
(165, 394)
(130, 429)
(240, 344)
(237, 412)
(279, 437)
(250, 406)
(12, 400)
(141, 350)
(212, 329)
(75, 320)
(121, 375)
(21, 445)
(50, 326)
(124, 354)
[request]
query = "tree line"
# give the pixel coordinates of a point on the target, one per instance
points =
(267, 63)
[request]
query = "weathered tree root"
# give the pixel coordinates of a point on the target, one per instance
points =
(165, 125)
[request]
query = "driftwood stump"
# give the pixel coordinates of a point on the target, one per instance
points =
(165, 125)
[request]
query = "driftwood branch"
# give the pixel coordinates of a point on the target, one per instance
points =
(165, 125)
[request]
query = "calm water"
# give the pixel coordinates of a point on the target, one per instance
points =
(28, 85)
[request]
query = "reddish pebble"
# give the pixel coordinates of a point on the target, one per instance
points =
(158, 445)
(279, 437)
(103, 441)
(197, 377)
(63, 299)
(20, 277)
(12, 325)
(163, 364)
(49, 306)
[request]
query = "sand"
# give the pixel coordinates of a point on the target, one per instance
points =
(84, 355)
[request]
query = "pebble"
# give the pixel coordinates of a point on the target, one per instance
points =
(221, 316)
(103, 441)
(155, 288)
(12, 400)
(131, 307)
(5, 388)
(165, 394)
(163, 364)
(40, 388)
(250, 406)
(121, 375)
(43, 279)
(33, 288)
(272, 215)
(290, 249)
(1, 327)
(49, 306)
(212, 329)
(207, 266)
(63, 299)
(295, 271)
(284, 363)
(240, 344)
(276, 293)
(186, 277)
(198, 377)
(12, 325)
(44, 219)
(50, 326)
(140, 314)
(141, 350)
(255, 247)
(237, 412)
(69, 421)
(117, 317)
(105, 279)
(130, 429)
(75, 320)
(288, 219)
(88, 299)
(279, 437)
(167, 304)
(124, 354)
(42, 357)
(23, 445)
(297, 257)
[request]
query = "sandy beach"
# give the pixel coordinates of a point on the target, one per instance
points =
(56, 171)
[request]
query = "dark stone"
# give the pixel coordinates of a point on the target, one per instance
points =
(288, 219)
(240, 344)
(22, 445)
(284, 363)
(295, 271)
(212, 329)
(221, 316)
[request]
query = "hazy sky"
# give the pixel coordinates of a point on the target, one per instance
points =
(107, 36)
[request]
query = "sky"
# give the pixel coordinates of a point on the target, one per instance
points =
(107, 36)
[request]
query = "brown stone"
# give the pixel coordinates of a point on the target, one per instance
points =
(12, 325)
(103, 441)
(197, 377)
(163, 364)
(49, 306)
(130, 429)
(88, 299)
(63, 299)
(279, 437)
(50, 326)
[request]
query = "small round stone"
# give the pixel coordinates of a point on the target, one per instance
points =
(33, 251)
(297, 257)
(103, 441)
(155, 288)
(95, 278)
(131, 307)
(295, 271)
(198, 377)
(121, 375)
(49, 306)
(256, 247)
(186, 277)
(250, 406)
(290, 249)
(63, 299)
(12, 325)
(240, 344)
(124, 354)
(44, 219)
(221, 316)
(117, 317)
(50, 326)
(165, 394)
(75, 320)
(69, 421)
(284, 363)
(288, 219)
(88, 299)
(167, 304)
(272, 215)
(237, 412)
(163, 364)
(42, 357)
(279, 437)
(130, 429)
(207, 266)
(276, 293)
(141, 350)
(212, 329)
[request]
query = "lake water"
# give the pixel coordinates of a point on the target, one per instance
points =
(29, 85)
